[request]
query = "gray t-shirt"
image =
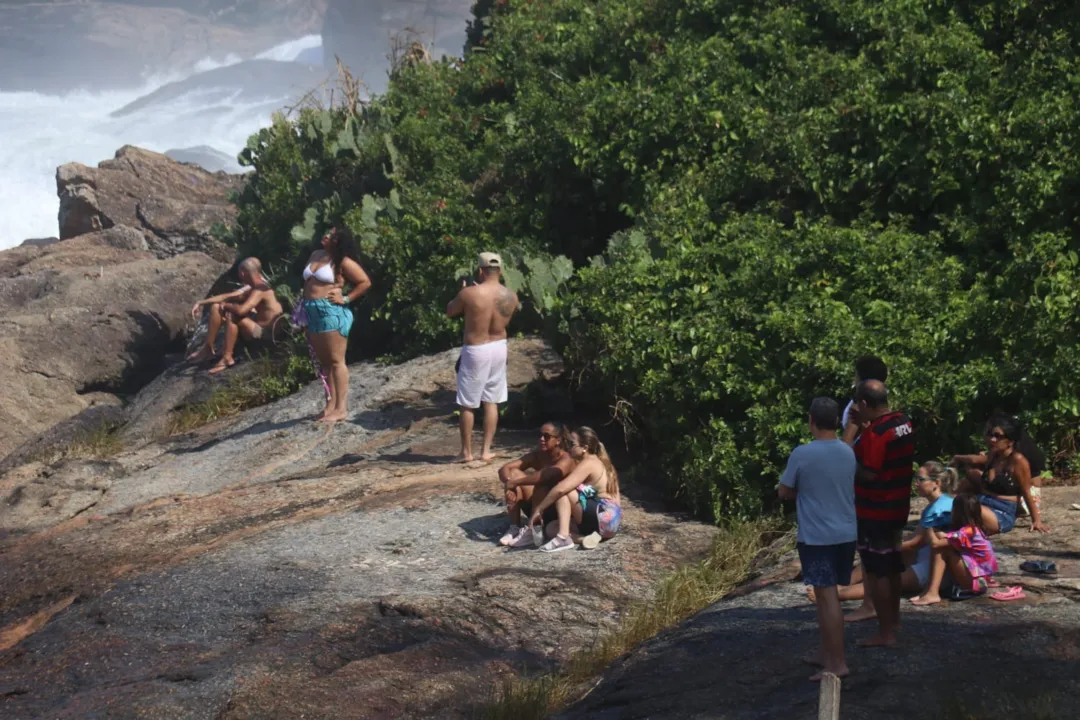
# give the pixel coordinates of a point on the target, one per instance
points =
(823, 474)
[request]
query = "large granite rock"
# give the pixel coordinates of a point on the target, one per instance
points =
(208, 158)
(85, 319)
(60, 45)
(174, 205)
(362, 32)
(266, 566)
(743, 658)
(279, 83)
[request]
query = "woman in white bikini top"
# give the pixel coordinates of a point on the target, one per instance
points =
(324, 274)
(326, 315)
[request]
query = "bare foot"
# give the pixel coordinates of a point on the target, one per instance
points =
(813, 598)
(203, 353)
(332, 417)
(487, 457)
(878, 640)
(841, 672)
(463, 458)
(222, 365)
(861, 613)
(927, 599)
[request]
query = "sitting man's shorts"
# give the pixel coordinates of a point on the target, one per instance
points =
(827, 565)
(879, 547)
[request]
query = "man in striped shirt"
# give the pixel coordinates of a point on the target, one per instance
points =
(885, 452)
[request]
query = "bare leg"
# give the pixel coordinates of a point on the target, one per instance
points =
(321, 346)
(564, 505)
(232, 332)
(883, 590)
(990, 521)
(491, 420)
(213, 327)
(831, 624)
(867, 610)
(465, 426)
(515, 496)
(339, 371)
(932, 596)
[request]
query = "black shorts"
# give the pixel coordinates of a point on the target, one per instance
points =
(550, 515)
(879, 547)
(590, 522)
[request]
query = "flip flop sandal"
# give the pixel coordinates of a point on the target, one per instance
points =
(1016, 592)
(1075, 506)
(1039, 567)
(957, 594)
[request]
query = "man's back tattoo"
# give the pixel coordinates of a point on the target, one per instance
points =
(505, 303)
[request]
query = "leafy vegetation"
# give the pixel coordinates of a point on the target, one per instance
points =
(751, 194)
(685, 592)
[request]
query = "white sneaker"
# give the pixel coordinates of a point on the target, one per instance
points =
(524, 539)
(557, 544)
(590, 541)
(511, 535)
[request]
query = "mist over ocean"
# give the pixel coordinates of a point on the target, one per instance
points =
(40, 132)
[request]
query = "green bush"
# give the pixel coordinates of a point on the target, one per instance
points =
(753, 194)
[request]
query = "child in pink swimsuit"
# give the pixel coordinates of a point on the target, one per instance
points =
(965, 552)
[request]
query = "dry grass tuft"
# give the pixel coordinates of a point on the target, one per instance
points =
(96, 443)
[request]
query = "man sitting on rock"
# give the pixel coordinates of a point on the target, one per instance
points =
(249, 311)
(527, 480)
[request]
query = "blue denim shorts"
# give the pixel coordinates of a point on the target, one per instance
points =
(1004, 511)
(827, 565)
(324, 316)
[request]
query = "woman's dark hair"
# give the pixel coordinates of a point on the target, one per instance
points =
(871, 367)
(966, 510)
(344, 246)
(562, 432)
(1022, 442)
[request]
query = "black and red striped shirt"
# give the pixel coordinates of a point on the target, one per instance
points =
(886, 450)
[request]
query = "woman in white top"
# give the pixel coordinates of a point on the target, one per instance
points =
(327, 318)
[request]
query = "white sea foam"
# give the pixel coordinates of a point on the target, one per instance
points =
(41, 132)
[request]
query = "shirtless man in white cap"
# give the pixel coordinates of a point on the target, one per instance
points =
(488, 306)
(249, 312)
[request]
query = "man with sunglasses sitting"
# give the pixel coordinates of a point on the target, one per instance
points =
(527, 480)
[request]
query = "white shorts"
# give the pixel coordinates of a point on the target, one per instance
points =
(482, 375)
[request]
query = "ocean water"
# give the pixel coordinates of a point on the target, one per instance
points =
(41, 132)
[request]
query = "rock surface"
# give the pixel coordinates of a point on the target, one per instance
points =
(280, 83)
(361, 32)
(208, 158)
(268, 566)
(61, 45)
(86, 318)
(174, 205)
(742, 658)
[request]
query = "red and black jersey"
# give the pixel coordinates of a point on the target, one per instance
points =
(886, 450)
